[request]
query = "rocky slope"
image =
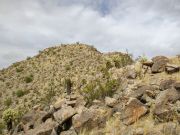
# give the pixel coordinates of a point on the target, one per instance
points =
(74, 89)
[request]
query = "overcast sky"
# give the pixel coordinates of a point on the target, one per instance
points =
(150, 27)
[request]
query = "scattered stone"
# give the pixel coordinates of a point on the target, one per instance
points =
(71, 103)
(111, 102)
(144, 89)
(172, 68)
(133, 111)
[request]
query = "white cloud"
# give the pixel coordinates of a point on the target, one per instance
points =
(140, 26)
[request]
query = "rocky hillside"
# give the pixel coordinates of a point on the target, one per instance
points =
(76, 90)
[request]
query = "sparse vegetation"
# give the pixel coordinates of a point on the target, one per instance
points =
(20, 93)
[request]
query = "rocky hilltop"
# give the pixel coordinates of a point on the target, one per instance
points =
(77, 90)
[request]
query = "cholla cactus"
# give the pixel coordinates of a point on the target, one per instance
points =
(10, 116)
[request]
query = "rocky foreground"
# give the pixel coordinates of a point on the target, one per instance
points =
(133, 98)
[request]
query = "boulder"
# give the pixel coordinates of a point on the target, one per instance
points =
(166, 84)
(111, 102)
(133, 111)
(94, 117)
(172, 68)
(83, 120)
(159, 64)
(64, 114)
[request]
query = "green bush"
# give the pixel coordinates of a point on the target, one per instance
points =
(98, 90)
(28, 79)
(20, 93)
(8, 102)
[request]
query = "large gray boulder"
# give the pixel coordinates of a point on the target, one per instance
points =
(64, 114)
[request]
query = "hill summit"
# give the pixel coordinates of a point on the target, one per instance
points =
(75, 89)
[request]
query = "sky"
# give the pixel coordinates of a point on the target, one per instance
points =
(143, 27)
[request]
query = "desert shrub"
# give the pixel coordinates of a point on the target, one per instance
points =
(109, 65)
(67, 67)
(98, 90)
(28, 79)
(19, 70)
(49, 94)
(8, 102)
(123, 60)
(20, 93)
